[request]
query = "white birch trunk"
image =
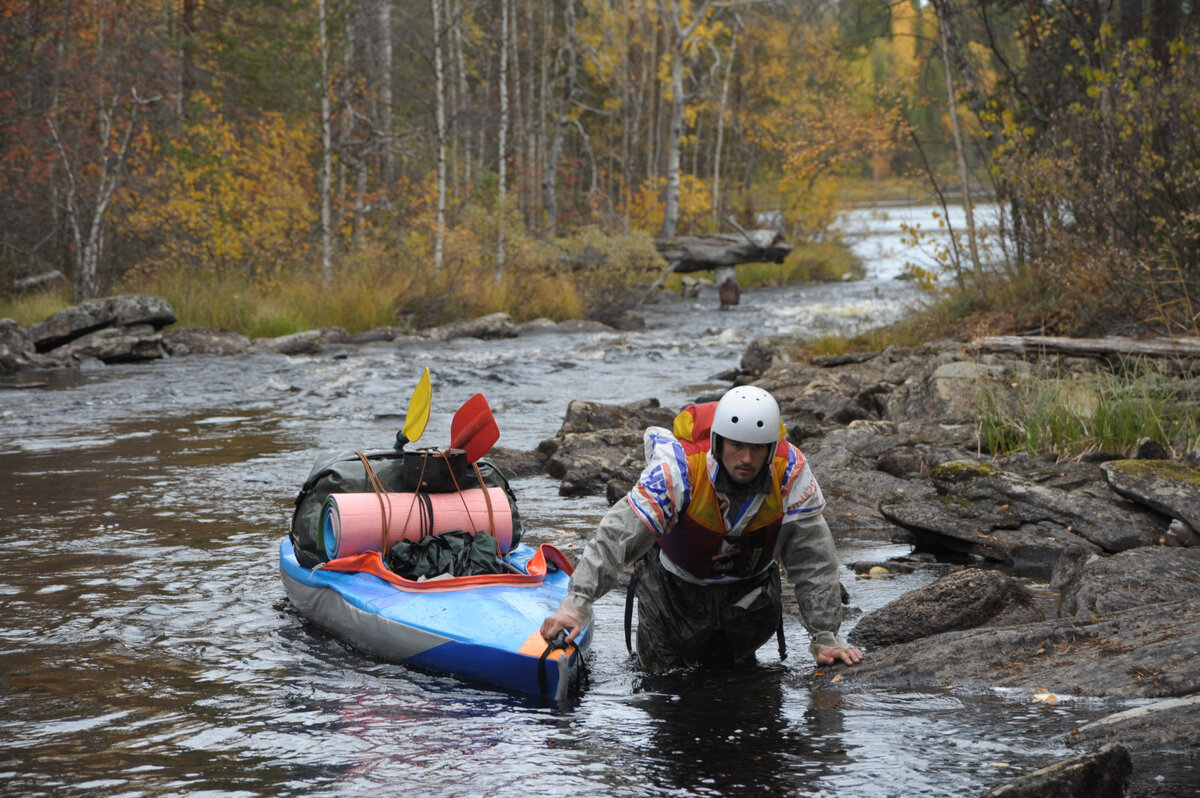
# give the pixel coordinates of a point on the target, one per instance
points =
(387, 159)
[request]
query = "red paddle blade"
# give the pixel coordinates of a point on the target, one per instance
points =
(474, 428)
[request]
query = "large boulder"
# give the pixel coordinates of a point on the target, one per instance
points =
(129, 310)
(113, 345)
(966, 599)
(1171, 488)
(1101, 774)
(985, 511)
(1104, 585)
(305, 342)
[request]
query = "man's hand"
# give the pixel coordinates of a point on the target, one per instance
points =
(828, 656)
(559, 621)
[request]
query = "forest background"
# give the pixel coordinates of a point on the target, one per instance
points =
(270, 165)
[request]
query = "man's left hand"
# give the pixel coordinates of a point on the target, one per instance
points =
(828, 656)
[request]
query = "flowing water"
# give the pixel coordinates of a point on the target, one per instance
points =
(147, 647)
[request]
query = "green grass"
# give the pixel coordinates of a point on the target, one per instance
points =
(1101, 412)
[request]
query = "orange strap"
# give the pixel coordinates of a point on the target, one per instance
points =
(371, 562)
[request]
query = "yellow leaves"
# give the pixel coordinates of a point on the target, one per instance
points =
(227, 195)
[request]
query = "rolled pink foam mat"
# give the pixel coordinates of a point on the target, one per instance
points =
(354, 522)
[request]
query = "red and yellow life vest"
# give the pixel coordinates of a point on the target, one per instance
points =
(694, 542)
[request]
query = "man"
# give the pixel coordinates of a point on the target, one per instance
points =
(722, 502)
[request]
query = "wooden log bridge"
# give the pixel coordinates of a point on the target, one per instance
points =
(721, 253)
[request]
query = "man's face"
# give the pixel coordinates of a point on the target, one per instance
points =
(743, 461)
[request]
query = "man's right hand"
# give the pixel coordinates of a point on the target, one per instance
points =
(559, 621)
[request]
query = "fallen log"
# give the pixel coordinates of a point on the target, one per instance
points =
(1107, 347)
(706, 253)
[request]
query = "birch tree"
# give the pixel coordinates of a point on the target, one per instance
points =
(439, 234)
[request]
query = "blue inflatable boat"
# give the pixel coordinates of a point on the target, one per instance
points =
(482, 628)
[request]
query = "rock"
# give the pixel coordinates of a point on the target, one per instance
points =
(1102, 774)
(374, 335)
(95, 314)
(950, 392)
(1145, 652)
(966, 599)
(113, 345)
(1104, 585)
(599, 444)
(204, 341)
(760, 355)
(1182, 534)
(1171, 488)
(306, 342)
(1003, 517)
(627, 320)
(903, 461)
(538, 326)
(490, 327)
(16, 347)
(1169, 725)
(1150, 449)
(584, 326)
(515, 463)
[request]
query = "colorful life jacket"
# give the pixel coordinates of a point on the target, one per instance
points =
(694, 541)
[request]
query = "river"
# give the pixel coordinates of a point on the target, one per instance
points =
(148, 648)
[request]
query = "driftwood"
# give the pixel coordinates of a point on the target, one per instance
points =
(706, 253)
(1109, 346)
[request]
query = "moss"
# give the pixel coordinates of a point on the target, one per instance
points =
(963, 470)
(1166, 469)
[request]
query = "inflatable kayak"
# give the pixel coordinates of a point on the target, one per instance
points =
(482, 628)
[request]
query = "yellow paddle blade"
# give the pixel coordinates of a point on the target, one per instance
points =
(417, 415)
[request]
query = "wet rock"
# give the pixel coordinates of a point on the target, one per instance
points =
(1145, 652)
(966, 599)
(1169, 487)
(584, 326)
(204, 341)
(516, 463)
(129, 310)
(1102, 774)
(1169, 725)
(490, 327)
(903, 461)
(598, 448)
(1104, 585)
(984, 511)
(113, 345)
(306, 342)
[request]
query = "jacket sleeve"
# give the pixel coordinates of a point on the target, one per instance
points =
(620, 540)
(811, 562)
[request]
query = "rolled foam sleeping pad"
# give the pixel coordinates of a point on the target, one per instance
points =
(352, 523)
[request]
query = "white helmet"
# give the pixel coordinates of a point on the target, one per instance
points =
(748, 415)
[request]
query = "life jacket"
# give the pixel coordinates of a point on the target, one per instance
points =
(694, 542)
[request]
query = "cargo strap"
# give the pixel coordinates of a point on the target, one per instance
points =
(558, 643)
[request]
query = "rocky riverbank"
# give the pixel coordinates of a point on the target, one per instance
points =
(1051, 580)
(1076, 579)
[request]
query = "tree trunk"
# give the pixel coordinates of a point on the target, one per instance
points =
(1166, 17)
(1131, 19)
(681, 37)
(439, 234)
(501, 188)
(716, 190)
(943, 15)
(550, 175)
(387, 161)
(326, 151)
